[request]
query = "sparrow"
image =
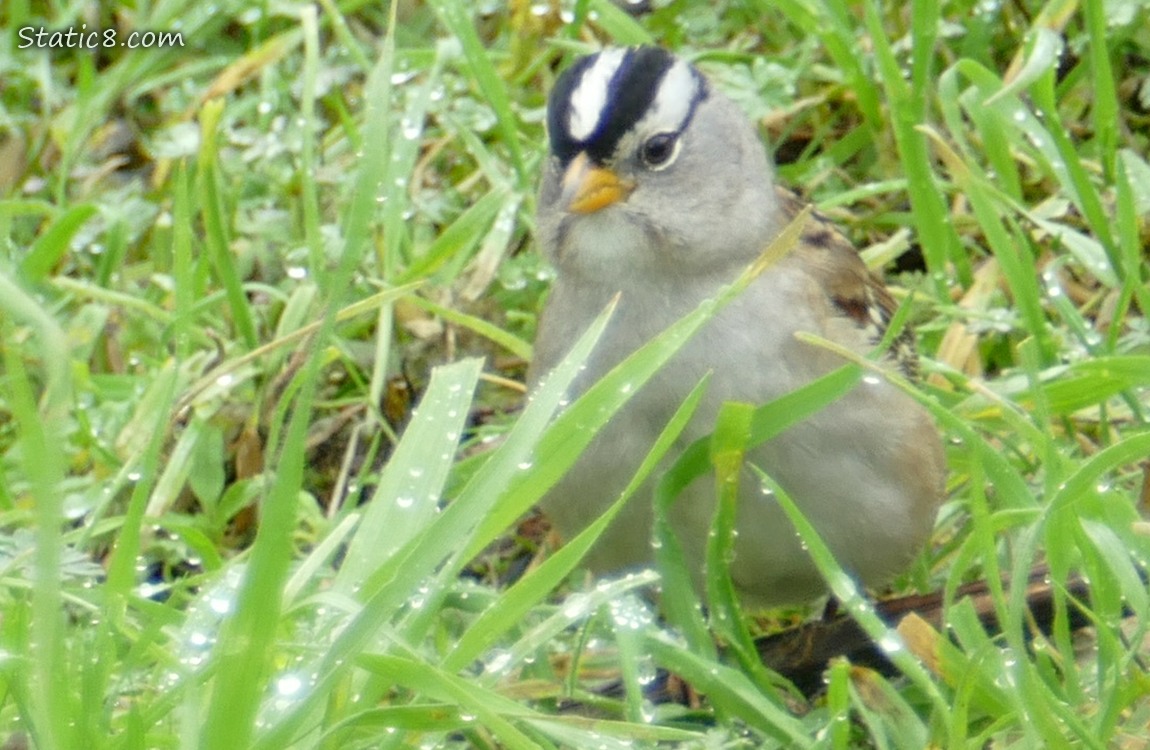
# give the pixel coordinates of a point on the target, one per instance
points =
(658, 189)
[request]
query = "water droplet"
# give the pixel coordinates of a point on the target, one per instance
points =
(498, 663)
(575, 607)
(890, 643)
(289, 685)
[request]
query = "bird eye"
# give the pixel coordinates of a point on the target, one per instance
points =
(660, 150)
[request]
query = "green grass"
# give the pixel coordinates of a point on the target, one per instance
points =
(223, 266)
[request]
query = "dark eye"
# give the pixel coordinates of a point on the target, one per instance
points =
(660, 150)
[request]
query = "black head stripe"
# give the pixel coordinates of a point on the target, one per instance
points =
(559, 109)
(630, 94)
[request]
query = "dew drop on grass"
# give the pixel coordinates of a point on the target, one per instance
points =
(890, 643)
(498, 663)
(289, 685)
(575, 606)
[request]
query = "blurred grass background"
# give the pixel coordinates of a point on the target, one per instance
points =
(229, 267)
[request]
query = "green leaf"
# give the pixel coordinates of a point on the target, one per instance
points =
(510, 608)
(730, 689)
(407, 497)
(53, 243)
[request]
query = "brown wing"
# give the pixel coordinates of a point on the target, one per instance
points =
(859, 294)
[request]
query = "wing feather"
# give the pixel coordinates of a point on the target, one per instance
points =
(856, 292)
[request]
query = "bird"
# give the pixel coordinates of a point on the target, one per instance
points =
(657, 190)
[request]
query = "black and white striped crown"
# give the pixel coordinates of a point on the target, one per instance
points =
(604, 96)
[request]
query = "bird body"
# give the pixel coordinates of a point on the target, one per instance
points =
(658, 189)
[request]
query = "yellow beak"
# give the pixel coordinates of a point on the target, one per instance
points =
(587, 188)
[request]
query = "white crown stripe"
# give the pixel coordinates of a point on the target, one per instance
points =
(673, 101)
(589, 98)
